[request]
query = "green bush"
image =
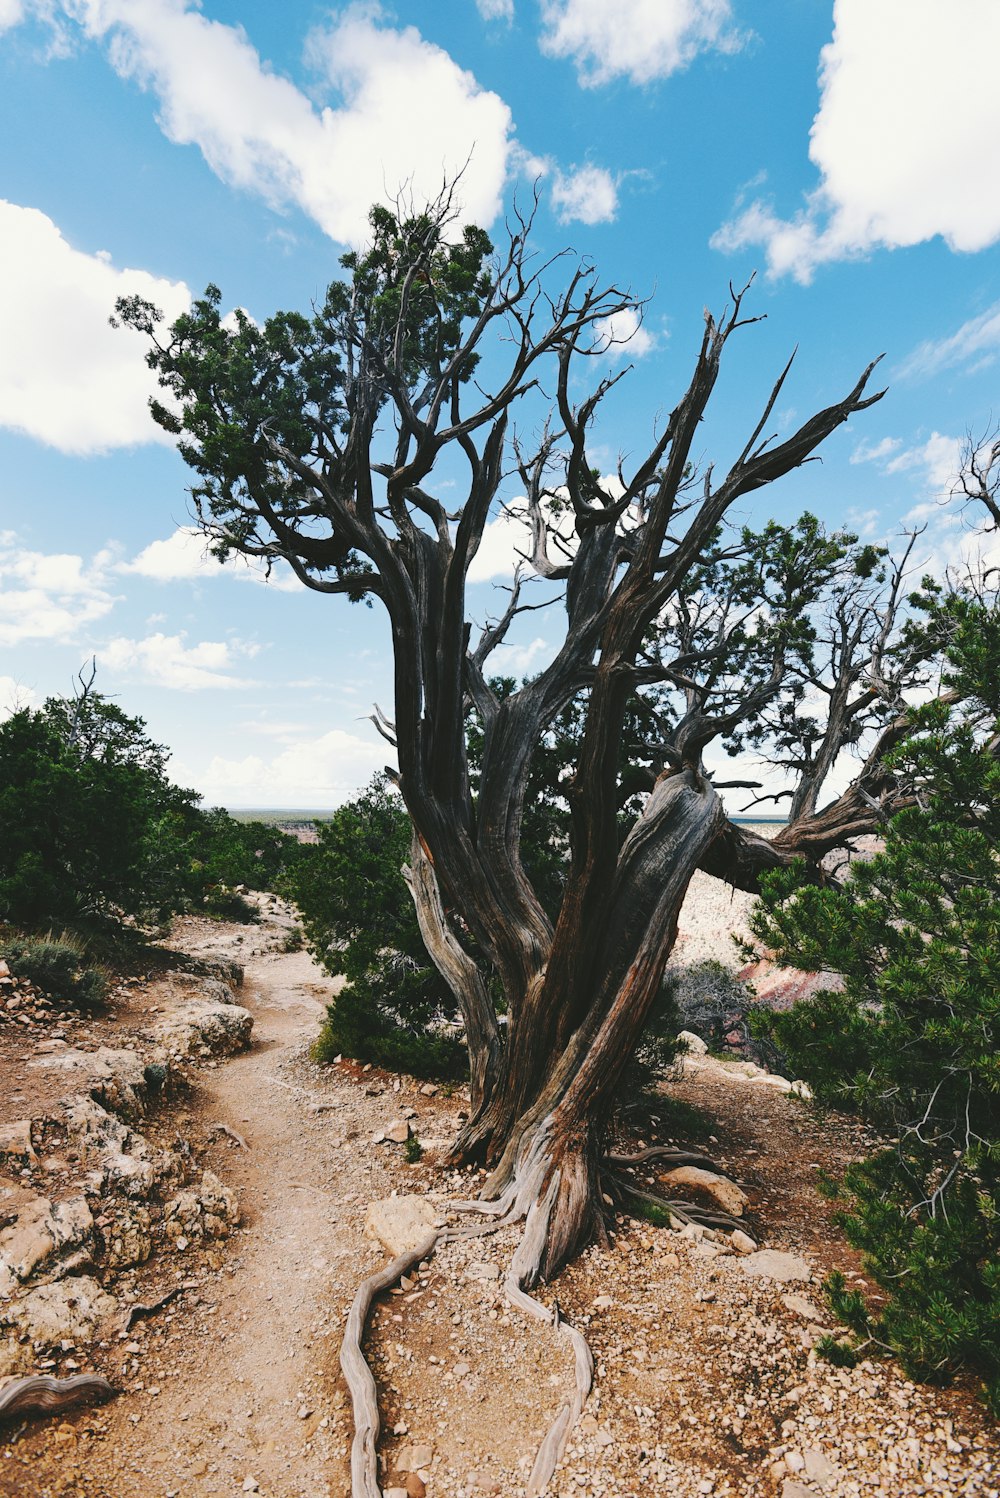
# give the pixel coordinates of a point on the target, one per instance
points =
(360, 1024)
(58, 967)
(913, 1040)
(229, 905)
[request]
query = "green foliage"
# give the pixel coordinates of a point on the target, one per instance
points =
(360, 924)
(237, 391)
(230, 905)
(58, 966)
(413, 1150)
(93, 829)
(252, 853)
(913, 1039)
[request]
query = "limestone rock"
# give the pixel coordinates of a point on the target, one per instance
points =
(400, 1223)
(769, 1264)
(743, 1243)
(799, 1306)
(115, 1078)
(209, 1211)
(694, 1043)
(397, 1132)
(39, 1234)
(127, 1234)
(72, 1309)
(116, 1154)
(15, 1141)
(412, 1458)
(205, 1027)
(725, 1193)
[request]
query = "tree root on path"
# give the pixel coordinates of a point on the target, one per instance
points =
(523, 1201)
(38, 1394)
(529, 1198)
(681, 1211)
(673, 1157)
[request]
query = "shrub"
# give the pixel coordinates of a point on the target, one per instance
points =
(913, 1041)
(58, 967)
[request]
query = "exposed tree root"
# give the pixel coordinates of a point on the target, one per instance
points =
(530, 1197)
(38, 1394)
(670, 1156)
(681, 1211)
(358, 1375)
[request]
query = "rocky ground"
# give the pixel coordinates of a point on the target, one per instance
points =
(185, 1207)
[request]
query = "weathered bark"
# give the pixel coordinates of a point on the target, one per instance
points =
(459, 971)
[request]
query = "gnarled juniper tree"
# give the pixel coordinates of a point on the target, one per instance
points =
(320, 440)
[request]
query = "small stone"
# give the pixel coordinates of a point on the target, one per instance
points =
(251, 1485)
(413, 1458)
(742, 1242)
(800, 1307)
(482, 1270)
(792, 1489)
(397, 1132)
(415, 1487)
(394, 1493)
(794, 1461)
(602, 1302)
(769, 1264)
(400, 1428)
(304, 1412)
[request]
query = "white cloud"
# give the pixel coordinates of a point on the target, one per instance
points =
(66, 377)
(521, 660)
(14, 697)
(11, 13)
(50, 596)
(320, 772)
(407, 115)
(937, 463)
(588, 194)
(184, 556)
(876, 452)
(975, 345)
(165, 661)
(506, 541)
(623, 336)
(496, 10)
(903, 141)
(637, 39)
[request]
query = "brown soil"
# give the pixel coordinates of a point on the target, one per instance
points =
(706, 1382)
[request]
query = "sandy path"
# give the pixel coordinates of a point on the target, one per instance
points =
(255, 1354)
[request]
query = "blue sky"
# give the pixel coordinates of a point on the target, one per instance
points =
(844, 151)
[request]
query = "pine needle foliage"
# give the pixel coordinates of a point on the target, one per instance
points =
(912, 1040)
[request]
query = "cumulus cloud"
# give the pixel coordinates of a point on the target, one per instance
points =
(623, 336)
(506, 542)
(50, 596)
(406, 113)
(11, 13)
(314, 772)
(636, 39)
(588, 194)
(902, 143)
(974, 346)
(66, 377)
(181, 556)
(185, 557)
(165, 661)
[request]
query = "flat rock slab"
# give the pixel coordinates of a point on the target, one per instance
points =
(726, 1194)
(400, 1223)
(769, 1264)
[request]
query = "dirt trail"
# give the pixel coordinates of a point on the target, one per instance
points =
(231, 1405)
